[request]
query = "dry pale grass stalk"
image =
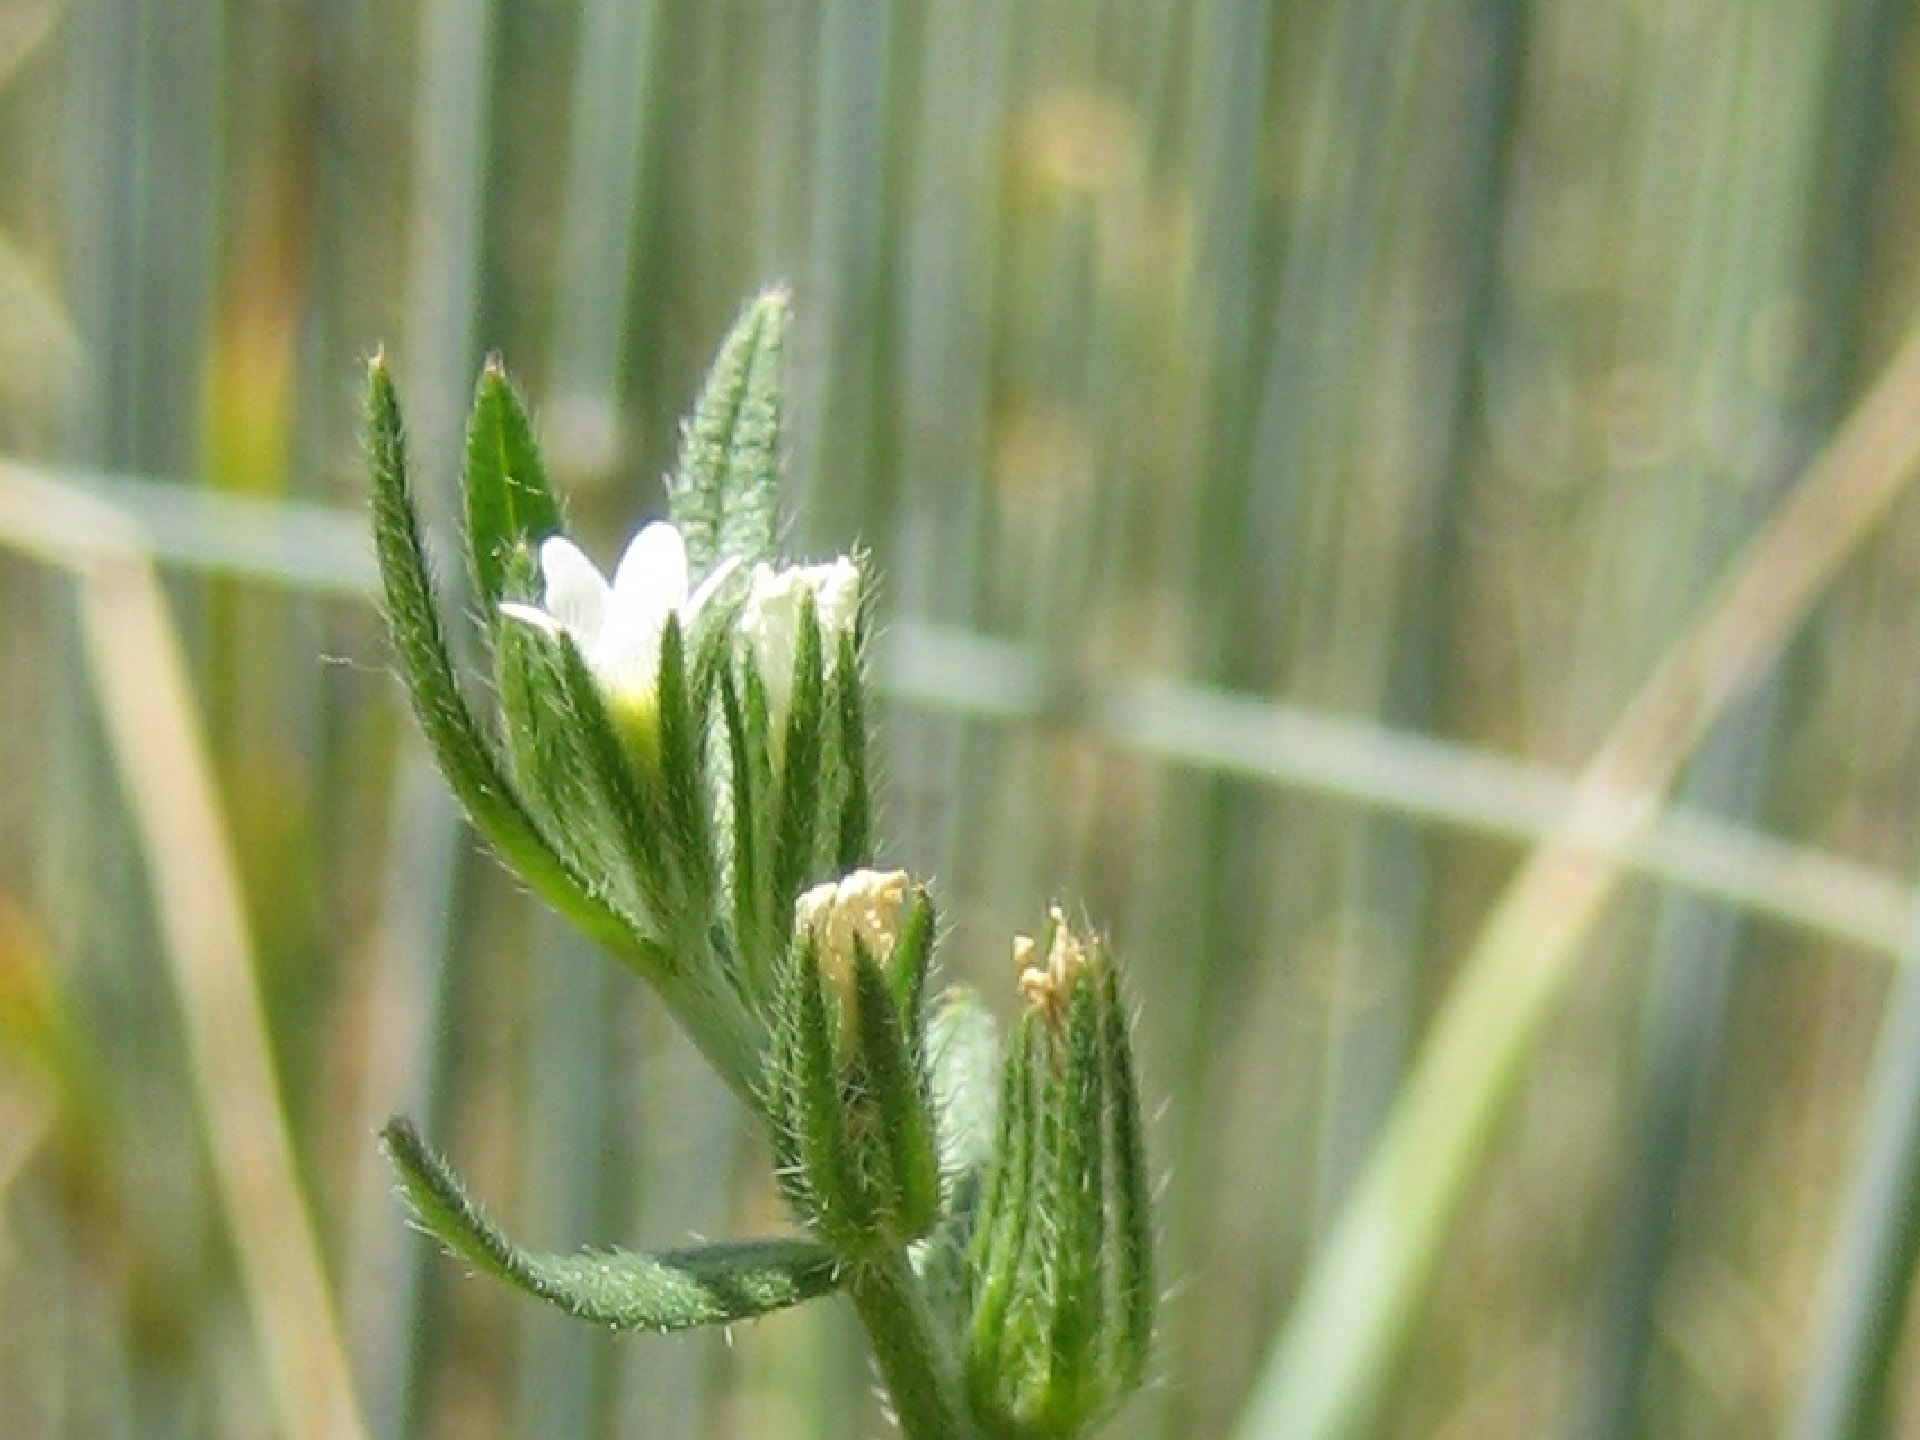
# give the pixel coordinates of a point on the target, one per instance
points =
(133, 654)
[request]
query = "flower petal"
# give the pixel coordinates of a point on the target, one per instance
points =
(577, 596)
(626, 658)
(652, 576)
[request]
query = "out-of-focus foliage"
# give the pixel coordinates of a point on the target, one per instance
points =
(1420, 364)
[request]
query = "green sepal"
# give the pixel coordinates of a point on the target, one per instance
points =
(723, 494)
(544, 751)
(901, 1133)
(621, 802)
(710, 645)
(1001, 1235)
(855, 839)
(510, 505)
(1078, 1203)
(750, 769)
(466, 757)
(908, 967)
(719, 1284)
(781, 1097)
(1133, 1196)
(683, 783)
(825, 1184)
(797, 818)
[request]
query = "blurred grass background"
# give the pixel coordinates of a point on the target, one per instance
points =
(1290, 434)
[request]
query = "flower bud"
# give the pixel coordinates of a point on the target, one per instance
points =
(794, 707)
(1061, 1265)
(770, 621)
(847, 1088)
(843, 917)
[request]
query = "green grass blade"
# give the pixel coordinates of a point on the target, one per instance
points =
(1876, 1240)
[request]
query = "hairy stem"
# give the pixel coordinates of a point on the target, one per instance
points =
(922, 1377)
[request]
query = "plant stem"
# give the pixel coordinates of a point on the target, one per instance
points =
(922, 1378)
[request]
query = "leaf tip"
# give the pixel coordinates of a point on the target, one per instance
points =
(400, 1137)
(775, 301)
(379, 372)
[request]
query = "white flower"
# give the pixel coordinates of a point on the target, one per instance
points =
(618, 626)
(770, 619)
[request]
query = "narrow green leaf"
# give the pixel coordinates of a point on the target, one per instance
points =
(627, 1290)
(510, 505)
(466, 757)
(723, 494)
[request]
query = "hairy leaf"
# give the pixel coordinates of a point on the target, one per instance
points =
(467, 758)
(723, 495)
(627, 1290)
(510, 504)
